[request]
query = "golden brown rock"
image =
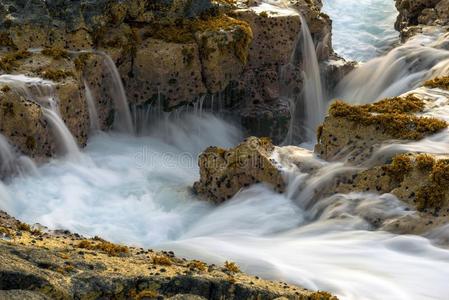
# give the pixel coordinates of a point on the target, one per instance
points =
(223, 172)
(60, 265)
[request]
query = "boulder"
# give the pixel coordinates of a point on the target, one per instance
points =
(223, 172)
(421, 12)
(167, 52)
(353, 132)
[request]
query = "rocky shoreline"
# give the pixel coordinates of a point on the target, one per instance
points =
(38, 264)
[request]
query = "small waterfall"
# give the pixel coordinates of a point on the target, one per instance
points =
(312, 93)
(42, 92)
(61, 131)
(93, 114)
(313, 90)
(7, 156)
(123, 120)
(13, 163)
(402, 69)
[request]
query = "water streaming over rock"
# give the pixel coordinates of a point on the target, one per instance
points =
(144, 199)
(327, 243)
(43, 93)
(123, 120)
(7, 156)
(402, 69)
(312, 91)
(93, 114)
(12, 162)
(304, 122)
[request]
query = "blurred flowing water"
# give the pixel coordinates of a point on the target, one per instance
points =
(136, 190)
(362, 29)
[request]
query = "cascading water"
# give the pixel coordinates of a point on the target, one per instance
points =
(312, 90)
(402, 69)
(13, 163)
(7, 156)
(42, 92)
(144, 199)
(327, 243)
(93, 114)
(312, 96)
(123, 120)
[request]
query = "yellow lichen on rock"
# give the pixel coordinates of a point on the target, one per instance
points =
(10, 60)
(53, 266)
(56, 75)
(55, 52)
(439, 82)
(407, 104)
(399, 124)
(224, 172)
(104, 246)
(353, 131)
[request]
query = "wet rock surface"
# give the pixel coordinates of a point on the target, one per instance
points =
(168, 53)
(413, 13)
(40, 264)
(353, 132)
(365, 138)
(223, 172)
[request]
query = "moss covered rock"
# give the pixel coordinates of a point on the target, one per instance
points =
(353, 131)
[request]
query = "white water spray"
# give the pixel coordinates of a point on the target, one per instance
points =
(313, 90)
(123, 120)
(42, 92)
(93, 114)
(401, 70)
(144, 199)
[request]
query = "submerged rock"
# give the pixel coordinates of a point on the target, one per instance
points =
(60, 265)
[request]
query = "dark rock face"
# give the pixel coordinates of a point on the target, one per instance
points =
(421, 12)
